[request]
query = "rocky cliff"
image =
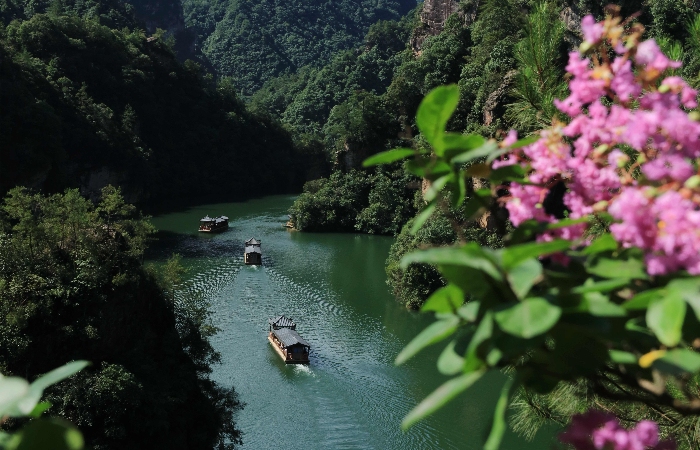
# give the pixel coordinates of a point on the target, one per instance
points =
(434, 15)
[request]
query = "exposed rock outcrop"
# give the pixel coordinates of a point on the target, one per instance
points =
(494, 99)
(434, 15)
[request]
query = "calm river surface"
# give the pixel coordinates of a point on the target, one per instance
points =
(351, 396)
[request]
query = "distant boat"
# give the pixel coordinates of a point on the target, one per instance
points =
(253, 252)
(291, 347)
(213, 224)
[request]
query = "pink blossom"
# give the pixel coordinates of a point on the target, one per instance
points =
(689, 96)
(674, 167)
(595, 430)
(623, 82)
(511, 139)
(617, 158)
(586, 156)
(649, 54)
(527, 204)
(647, 432)
(592, 31)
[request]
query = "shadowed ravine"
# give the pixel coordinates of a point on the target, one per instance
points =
(351, 396)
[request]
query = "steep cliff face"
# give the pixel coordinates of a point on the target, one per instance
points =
(434, 15)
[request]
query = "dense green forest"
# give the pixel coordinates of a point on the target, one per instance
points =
(85, 105)
(72, 286)
(90, 98)
(254, 41)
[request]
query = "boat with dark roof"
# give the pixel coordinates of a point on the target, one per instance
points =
(213, 224)
(252, 254)
(291, 347)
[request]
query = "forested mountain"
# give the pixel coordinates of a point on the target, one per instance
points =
(255, 40)
(85, 105)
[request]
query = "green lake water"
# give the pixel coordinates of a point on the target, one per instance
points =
(351, 396)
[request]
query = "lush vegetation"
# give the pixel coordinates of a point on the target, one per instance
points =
(593, 300)
(356, 201)
(85, 104)
(72, 286)
(254, 41)
(413, 284)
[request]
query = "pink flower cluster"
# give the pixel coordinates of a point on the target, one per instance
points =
(595, 430)
(633, 155)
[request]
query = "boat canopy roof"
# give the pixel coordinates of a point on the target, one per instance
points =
(282, 321)
(289, 337)
(213, 219)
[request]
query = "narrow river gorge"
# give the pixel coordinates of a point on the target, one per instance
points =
(351, 396)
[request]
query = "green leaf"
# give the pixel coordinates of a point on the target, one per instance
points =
(603, 244)
(469, 255)
(449, 362)
(620, 357)
(419, 166)
(524, 141)
(435, 332)
(475, 283)
(529, 318)
(445, 299)
(523, 276)
(514, 255)
(488, 148)
(602, 286)
(39, 409)
(689, 290)
(434, 112)
(27, 404)
(437, 186)
(599, 305)
(58, 374)
(4, 439)
(643, 299)
(423, 217)
(498, 426)
(12, 391)
(483, 332)
(497, 153)
(514, 172)
(440, 397)
(388, 156)
(480, 200)
(618, 268)
(665, 318)
(678, 361)
(563, 223)
(459, 192)
(458, 141)
(469, 311)
(47, 434)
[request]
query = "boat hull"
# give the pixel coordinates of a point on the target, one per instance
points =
(213, 230)
(282, 354)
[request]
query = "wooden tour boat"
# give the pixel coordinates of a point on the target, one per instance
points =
(291, 347)
(252, 254)
(213, 224)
